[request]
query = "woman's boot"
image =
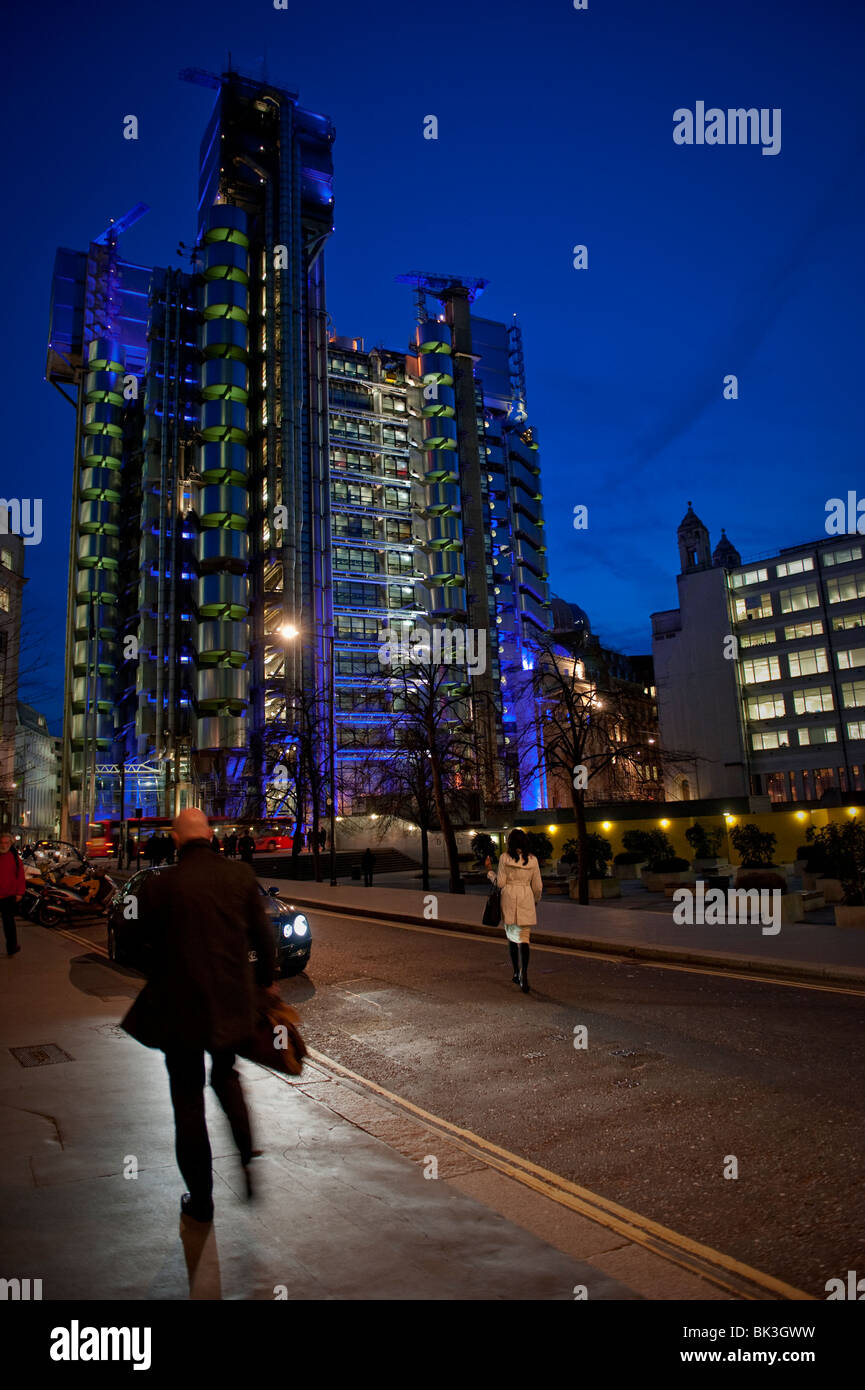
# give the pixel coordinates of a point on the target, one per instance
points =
(515, 960)
(524, 967)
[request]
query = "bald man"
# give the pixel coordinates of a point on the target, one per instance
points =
(202, 920)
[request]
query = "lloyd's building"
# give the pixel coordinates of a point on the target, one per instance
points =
(255, 500)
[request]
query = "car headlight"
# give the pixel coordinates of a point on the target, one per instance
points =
(301, 926)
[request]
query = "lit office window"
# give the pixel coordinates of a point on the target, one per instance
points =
(761, 668)
(856, 730)
(850, 620)
(795, 630)
(764, 739)
(841, 590)
(766, 707)
(738, 581)
(758, 639)
(842, 557)
(808, 737)
(849, 660)
(802, 596)
(816, 699)
(809, 662)
(794, 567)
(853, 694)
(754, 606)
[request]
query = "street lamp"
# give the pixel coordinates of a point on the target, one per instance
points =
(290, 633)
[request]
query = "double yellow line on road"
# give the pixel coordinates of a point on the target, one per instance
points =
(737, 1278)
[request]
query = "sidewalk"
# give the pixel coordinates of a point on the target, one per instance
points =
(801, 950)
(90, 1191)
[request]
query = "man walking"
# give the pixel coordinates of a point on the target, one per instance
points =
(367, 864)
(202, 923)
(13, 885)
(246, 846)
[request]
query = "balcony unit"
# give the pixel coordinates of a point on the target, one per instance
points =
(529, 531)
(526, 504)
(526, 477)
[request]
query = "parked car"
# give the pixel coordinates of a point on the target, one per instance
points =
(291, 931)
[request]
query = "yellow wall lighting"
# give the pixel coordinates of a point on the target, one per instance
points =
(851, 810)
(607, 824)
(665, 824)
(801, 815)
(731, 820)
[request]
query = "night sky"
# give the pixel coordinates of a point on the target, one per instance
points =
(555, 128)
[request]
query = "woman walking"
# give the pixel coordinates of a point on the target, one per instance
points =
(518, 877)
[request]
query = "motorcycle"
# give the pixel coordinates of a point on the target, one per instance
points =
(56, 896)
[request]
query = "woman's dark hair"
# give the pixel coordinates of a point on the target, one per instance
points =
(518, 844)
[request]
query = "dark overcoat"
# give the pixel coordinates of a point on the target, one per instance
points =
(200, 920)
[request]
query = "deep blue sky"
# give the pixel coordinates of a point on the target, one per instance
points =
(555, 128)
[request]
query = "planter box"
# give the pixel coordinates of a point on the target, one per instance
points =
(553, 886)
(849, 916)
(812, 900)
(629, 871)
(831, 889)
(792, 907)
(605, 888)
(657, 883)
(712, 865)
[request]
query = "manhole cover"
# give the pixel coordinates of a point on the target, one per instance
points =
(40, 1055)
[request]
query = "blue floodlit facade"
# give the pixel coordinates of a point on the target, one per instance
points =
(255, 497)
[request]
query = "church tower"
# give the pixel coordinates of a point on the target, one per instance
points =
(725, 555)
(694, 548)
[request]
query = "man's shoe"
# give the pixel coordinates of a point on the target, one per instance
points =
(250, 1191)
(197, 1210)
(14, 951)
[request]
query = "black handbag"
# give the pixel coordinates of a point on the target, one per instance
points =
(493, 911)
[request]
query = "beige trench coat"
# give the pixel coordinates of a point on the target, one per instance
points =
(521, 887)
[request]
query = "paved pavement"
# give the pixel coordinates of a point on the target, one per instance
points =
(800, 950)
(344, 1209)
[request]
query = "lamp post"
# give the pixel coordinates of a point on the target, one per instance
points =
(290, 633)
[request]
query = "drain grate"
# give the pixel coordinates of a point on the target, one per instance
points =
(40, 1055)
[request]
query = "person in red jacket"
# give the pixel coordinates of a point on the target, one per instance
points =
(12, 888)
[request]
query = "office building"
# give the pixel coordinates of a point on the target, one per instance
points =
(760, 671)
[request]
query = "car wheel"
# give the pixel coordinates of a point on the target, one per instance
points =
(48, 915)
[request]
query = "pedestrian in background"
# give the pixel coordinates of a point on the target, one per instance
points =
(215, 844)
(203, 924)
(231, 845)
(518, 878)
(367, 864)
(246, 847)
(130, 850)
(13, 886)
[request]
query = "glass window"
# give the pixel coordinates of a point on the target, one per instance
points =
(842, 557)
(776, 738)
(841, 590)
(850, 620)
(853, 694)
(857, 729)
(802, 596)
(766, 707)
(822, 735)
(796, 630)
(758, 639)
(815, 699)
(809, 662)
(753, 606)
(852, 657)
(761, 668)
(4, 598)
(794, 567)
(738, 581)
(6, 559)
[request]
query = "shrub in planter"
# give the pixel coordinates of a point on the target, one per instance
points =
(843, 851)
(761, 878)
(652, 845)
(754, 846)
(599, 852)
(483, 845)
(671, 865)
(706, 844)
(541, 846)
(629, 857)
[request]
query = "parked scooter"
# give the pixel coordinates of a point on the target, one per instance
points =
(63, 904)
